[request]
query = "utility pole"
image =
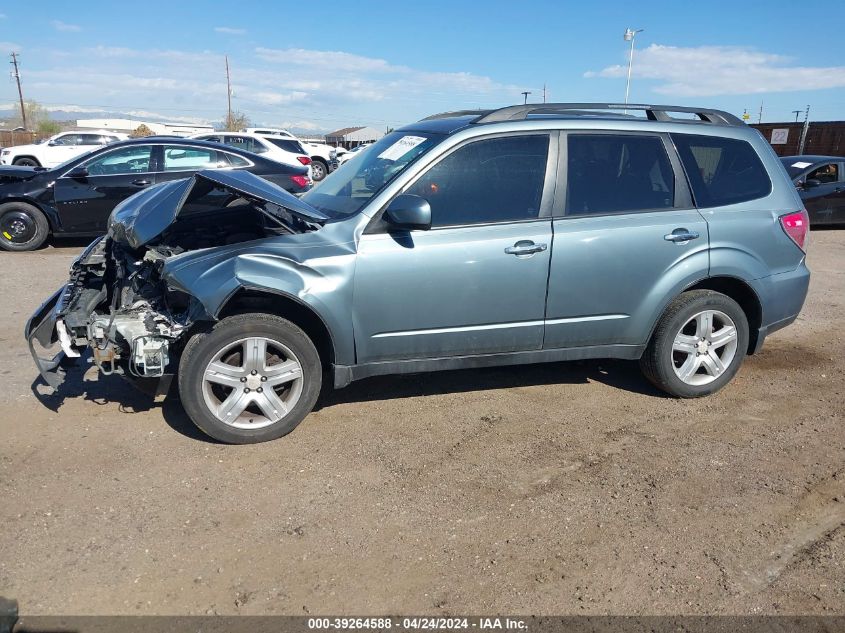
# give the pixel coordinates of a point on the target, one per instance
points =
(228, 95)
(804, 131)
(630, 36)
(796, 113)
(525, 96)
(14, 63)
(544, 92)
(760, 116)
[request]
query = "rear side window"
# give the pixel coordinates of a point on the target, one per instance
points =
(287, 144)
(187, 158)
(495, 180)
(610, 173)
(722, 170)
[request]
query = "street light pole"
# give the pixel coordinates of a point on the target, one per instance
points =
(525, 96)
(630, 34)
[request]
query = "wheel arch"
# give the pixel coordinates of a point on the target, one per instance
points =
(48, 213)
(743, 294)
(280, 304)
(29, 156)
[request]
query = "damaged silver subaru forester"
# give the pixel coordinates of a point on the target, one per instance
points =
(527, 234)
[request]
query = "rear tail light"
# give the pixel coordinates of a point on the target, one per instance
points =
(301, 181)
(304, 160)
(797, 227)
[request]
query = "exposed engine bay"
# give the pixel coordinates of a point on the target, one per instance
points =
(116, 302)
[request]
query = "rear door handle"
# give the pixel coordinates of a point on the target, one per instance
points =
(141, 182)
(681, 235)
(525, 247)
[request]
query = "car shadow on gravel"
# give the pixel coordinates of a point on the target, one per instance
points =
(615, 373)
(103, 390)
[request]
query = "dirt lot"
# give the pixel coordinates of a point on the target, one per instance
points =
(563, 488)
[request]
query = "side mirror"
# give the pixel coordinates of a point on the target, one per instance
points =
(78, 172)
(409, 212)
(811, 183)
(52, 143)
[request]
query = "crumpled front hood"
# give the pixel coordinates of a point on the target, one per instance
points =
(19, 173)
(141, 218)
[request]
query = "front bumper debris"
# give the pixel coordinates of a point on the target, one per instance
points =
(41, 327)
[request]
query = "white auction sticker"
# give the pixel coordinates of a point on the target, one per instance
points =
(801, 165)
(401, 147)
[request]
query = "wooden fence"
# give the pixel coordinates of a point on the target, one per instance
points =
(10, 138)
(826, 138)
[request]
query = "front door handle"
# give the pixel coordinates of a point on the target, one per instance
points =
(141, 182)
(681, 236)
(525, 247)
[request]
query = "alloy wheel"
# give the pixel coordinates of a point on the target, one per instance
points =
(704, 347)
(252, 383)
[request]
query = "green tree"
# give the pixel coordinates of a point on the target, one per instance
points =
(235, 121)
(48, 127)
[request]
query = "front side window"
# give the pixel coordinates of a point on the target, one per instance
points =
(186, 158)
(67, 139)
(610, 173)
(126, 160)
(346, 190)
(825, 174)
(722, 170)
(90, 139)
(494, 180)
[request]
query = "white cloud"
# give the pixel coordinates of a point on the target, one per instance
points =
(310, 89)
(227, 30)
(705, 71)
(10, 46)
(2, 16)
(64, 26)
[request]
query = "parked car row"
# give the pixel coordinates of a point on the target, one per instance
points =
(57, 149)
(76, 197)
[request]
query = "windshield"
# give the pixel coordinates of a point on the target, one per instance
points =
(350, 187)
(794, 166)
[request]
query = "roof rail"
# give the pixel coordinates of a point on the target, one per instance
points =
(456, 113)
(653, 112)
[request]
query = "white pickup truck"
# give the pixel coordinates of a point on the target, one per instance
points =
(58, 149)
(323, 157)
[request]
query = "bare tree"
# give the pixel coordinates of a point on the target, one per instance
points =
(235, 121)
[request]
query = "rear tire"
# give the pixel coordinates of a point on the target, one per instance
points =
(698, 344)
(319, 170)
(26, 162)
(23, 227)
(252, 378)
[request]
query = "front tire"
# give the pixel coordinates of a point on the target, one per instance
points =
(26, 162)
(23, 227)
(252, 378)
(698, 344)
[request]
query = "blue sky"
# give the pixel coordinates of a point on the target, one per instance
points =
(331, 64)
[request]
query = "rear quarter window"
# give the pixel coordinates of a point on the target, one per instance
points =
(722, 171)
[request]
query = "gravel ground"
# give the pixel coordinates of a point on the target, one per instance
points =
(570, 488)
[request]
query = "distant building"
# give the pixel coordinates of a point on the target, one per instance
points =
(128, 126)
(350, 137)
